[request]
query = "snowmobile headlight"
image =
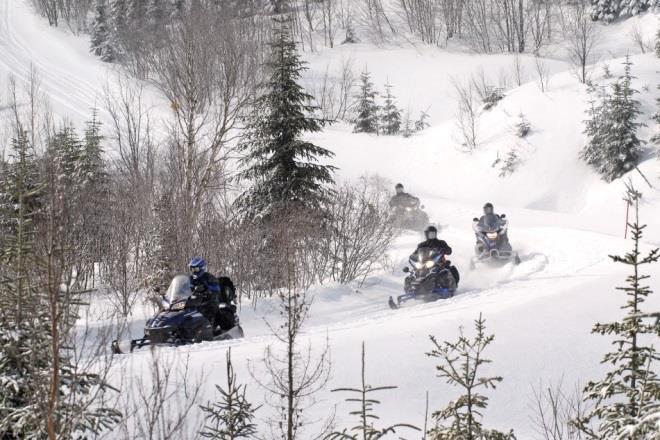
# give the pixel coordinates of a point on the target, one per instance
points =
(492, 235)
(429, 264)
(417, 264)
(179, 306)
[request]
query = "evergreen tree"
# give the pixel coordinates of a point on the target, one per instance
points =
(510, 163)
(365, 429)
(460, 364)
(422, 122)
(94, 194)
(614, 148)
(119, 29)
(605, 10)
(522, 127)
(232, 417)
(626, 399)
(407, 125)
(102, 33)
(283, 167)
(635, 7)
(157, 13)
(367, 109)
(391, 119)
(609, 10)
(43, 393)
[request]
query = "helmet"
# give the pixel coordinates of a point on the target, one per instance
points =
(197, 267)
(431, 233)
(488, 208)
(398, 188)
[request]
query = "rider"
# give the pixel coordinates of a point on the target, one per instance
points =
(402, 200)
(214, 292)
(490, 219)
(433, 242)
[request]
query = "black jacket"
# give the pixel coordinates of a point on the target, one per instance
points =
(404, 200)
(437, 244)
(221, 289)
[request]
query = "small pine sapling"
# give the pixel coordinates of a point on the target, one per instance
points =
(492, 97)
(365, 429)
(232, 417)
(522, 127)
(460, 364)
(626, 399)
(422, 123)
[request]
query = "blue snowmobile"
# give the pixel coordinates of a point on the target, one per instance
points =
(492, 244)
(429, 280)
(180, 322)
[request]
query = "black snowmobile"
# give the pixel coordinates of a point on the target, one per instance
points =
(429, 280)
(408, 213)
(492, 240)
(180, 322)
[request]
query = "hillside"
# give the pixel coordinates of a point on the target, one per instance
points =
(564, 219)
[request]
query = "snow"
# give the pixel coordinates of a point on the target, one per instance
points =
(564, 222)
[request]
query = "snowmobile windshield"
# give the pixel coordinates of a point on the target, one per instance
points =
(425, 254)
(179, 288)
(490, 223)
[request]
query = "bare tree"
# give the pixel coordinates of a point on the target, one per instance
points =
(206, 70)
(518, 70)
(333, 91)
(638, 38)
(423, 18)
(361, 229)
(294, 374)
(556, 408)
(467, 118)
(582, 39)
(542, 73)
(477, 23)
(373, 16)
(132, 132)
(329, 12)
(158, 405)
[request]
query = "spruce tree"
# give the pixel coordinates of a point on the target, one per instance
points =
(626, 399)
(422, 123)
(94, 193)
(367, 110)
(365, 429)
(43, 393)
(460, 364)
(102, 33)
(232, 417)
(614, 148)
(407, 125)
(391, 118)
(522, 127)
(605, 10)
(609, 10)
(119, 29)
(283, 167)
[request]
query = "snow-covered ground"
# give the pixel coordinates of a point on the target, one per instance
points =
(565, 222)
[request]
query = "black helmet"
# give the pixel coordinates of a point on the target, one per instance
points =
(488, 208)
(431, 232)
(398, 188)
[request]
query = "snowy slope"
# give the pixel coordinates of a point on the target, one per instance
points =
(564, 221)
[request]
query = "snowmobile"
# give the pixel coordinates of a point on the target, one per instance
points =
(180, 322)
(492, 242)
(411, 215)
(429, 280)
